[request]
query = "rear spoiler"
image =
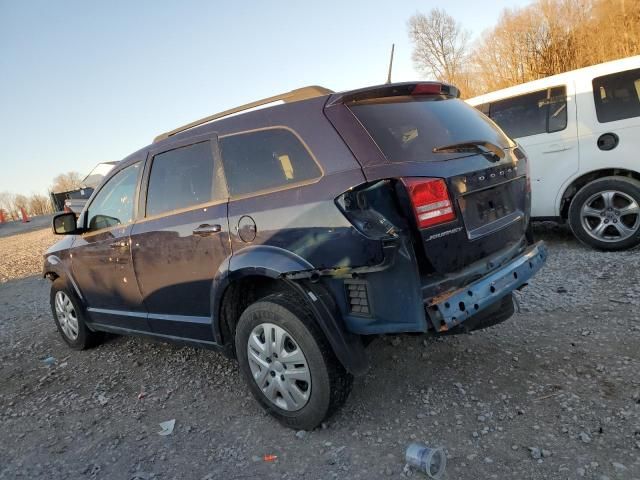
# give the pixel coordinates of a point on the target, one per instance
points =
(405, 89)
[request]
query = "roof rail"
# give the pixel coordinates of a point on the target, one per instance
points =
(288, 97)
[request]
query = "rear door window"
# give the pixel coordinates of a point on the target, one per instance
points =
(408, 129)
(180, 178)
(266, 159)
(617, 96)
(543, 111)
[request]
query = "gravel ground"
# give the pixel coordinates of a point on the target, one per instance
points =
(21, 255)
(554, 393)
(16, 227)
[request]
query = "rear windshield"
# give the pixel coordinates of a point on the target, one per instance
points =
(408, 130)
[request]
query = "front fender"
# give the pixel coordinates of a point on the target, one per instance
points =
(54, 265)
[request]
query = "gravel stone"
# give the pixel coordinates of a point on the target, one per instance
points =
(535, 452)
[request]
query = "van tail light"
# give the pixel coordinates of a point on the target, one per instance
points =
(430, 199)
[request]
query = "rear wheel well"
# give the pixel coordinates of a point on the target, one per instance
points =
(242, 293)
(581, 181)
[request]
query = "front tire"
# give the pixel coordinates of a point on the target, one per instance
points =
(605, 213)
(288, 363)
(68, 315)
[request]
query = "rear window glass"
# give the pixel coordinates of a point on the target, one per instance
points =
(266, 159)
(617, 96)
(180, 178)
(408, 130)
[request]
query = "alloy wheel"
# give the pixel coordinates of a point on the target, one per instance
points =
(610, 216)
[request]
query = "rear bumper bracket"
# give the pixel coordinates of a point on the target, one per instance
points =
(447, 311)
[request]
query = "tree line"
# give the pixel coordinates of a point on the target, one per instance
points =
(544, 38)
(37, 204)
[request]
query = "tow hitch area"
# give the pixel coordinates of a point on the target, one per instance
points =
(445, 312)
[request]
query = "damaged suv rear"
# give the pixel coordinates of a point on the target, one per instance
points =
(286, 236)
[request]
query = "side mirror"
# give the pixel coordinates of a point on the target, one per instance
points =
(65, 224)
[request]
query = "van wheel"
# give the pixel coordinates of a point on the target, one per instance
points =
(605, 214)
(69, 317)
(289, 364)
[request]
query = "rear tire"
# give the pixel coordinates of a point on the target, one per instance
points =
(605, 213)
(296, 376)
(69, 317)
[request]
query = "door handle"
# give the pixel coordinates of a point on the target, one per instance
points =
(557, 147)
(206, 229)
(118, 245)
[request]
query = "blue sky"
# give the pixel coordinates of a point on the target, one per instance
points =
(83, 82)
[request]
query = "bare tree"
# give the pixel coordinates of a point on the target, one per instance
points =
(20, 202)
(66, 182)
(554, 36)
(440, 45)
(7, 203)
(39, 204)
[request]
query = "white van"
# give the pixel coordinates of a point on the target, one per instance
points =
(581, 131)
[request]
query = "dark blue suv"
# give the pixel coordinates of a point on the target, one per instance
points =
(289, 236)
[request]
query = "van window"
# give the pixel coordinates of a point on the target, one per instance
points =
(266, 159)
(544, 111)
(180, 178)
(617, 96)
(408, 129)
(113, 204)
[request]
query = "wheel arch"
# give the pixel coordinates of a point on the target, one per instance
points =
(260, 271)
(577, 183)
(54, 268)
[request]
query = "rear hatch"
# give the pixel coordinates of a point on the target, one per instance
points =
(462, 180)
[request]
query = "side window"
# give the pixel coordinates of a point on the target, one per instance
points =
(266, 159)
(180, 178)
(113, 204)
(544, 111)
(557, 114)
(617, 96)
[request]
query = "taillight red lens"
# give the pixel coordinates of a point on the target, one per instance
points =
(430, 199)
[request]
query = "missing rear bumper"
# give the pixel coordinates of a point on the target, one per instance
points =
(450, 310)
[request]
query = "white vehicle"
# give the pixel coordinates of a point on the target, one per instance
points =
(581, 131)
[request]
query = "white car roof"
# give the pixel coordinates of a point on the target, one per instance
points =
(562, 78)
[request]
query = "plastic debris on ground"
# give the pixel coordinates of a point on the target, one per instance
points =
(431, 461)
(167, 427)
(49, 361)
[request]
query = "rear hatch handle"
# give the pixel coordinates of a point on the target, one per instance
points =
(493, 151)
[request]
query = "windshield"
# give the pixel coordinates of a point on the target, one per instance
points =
(407, 130)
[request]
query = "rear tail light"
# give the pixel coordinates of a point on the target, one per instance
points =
(431, 202)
